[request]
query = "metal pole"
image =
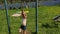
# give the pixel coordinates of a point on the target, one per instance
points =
(8, 23)
(36, 16)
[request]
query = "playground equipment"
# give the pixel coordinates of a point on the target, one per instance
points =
(7, 17)
(36, 16)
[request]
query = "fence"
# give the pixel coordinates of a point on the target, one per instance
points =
(31, 4)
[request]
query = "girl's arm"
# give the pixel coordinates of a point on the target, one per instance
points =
(16, 15)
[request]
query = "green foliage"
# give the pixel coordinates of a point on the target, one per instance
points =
(45, 16)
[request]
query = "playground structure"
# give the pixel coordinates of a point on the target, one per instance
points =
(7, 17)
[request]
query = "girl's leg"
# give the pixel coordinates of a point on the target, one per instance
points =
(24, 31)
(20, 31)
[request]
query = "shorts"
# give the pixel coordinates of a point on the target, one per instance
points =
(23, 27)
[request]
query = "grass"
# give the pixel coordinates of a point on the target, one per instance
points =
(45, 16)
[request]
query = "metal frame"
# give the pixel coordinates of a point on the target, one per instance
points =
(7, 17)
(36, 6)
(8, 21)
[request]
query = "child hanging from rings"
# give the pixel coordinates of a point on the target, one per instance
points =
(23, 13)
(22, 29)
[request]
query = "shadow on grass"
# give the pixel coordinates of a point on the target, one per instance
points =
(53, 25)
(33, 32)
(30, 32)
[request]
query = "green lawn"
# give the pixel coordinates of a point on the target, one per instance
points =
(45, 16)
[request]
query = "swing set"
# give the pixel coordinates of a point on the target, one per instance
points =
(8, 21)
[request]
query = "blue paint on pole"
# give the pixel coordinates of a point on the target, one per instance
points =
(8, 22)
(36, 16)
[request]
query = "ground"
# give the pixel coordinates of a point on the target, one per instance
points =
(45, 23)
